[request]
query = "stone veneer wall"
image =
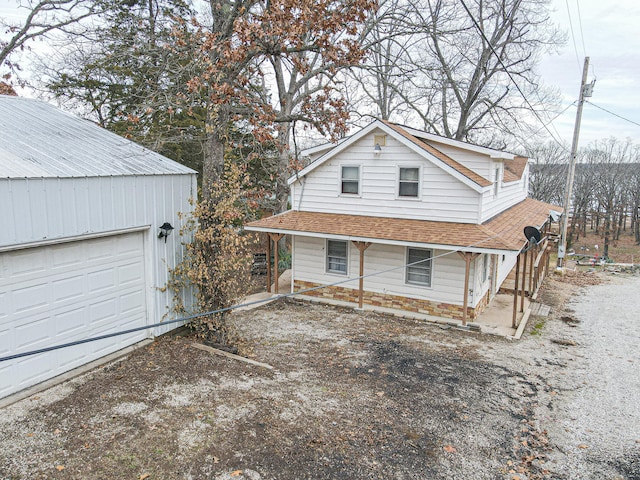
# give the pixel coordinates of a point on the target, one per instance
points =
(426, 307)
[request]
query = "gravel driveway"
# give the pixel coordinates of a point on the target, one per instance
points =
(596, 424)
(354, 395)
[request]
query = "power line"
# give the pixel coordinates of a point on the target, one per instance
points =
(475, 22)
(573, 37)
(584, 49)
(234, 307)
(554, 118)
(612, 113)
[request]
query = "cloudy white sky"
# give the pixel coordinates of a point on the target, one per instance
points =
(611, 41)
(606, 31)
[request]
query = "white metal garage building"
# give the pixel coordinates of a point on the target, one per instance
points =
(80, 211)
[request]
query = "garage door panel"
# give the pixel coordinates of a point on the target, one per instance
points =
(103, 312)
(101, 280)
(68, 288)
(66, 255)
(26, 261)
(70, 323)
(33, 334)
(100, 248)
(78, 290)
(30, 298)
(130, 273)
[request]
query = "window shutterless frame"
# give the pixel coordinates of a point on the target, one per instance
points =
(409, 182)
(337, 256)
(419, 266)
(350, 180)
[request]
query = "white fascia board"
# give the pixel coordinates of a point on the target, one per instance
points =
(496, 154)
(437, 246)
(337, 148)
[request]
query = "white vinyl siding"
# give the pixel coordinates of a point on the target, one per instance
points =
(337, 256)
(447, 271)
(419, 266)
(443, 197)
(350, 180)
(510, 194)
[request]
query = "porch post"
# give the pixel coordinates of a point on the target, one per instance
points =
(268, 263)
(524, 276)
(362, 246)
(515, 294)
(276, 238)
(531, 263)
(467, 268)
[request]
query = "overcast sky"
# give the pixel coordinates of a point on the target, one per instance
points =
(607, 32)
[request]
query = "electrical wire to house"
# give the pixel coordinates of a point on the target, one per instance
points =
(242, 305)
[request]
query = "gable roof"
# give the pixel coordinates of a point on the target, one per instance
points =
(503, 232)
(38, 140)
(464, 174)
(513, 169)
(470, 174)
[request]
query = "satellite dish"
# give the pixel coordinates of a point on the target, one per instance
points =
(532, 234)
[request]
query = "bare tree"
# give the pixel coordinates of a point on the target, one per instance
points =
(548, 172)
(462, 78)
(42, 18)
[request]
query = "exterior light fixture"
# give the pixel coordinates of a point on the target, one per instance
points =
(377, 149)
(165, 231)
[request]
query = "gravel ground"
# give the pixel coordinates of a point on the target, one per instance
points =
(596, 425)
(355, 395)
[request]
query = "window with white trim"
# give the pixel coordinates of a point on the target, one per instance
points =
(419, 266)
(409, 182)
(485, 267)
(337, 256)
(496, 182)
(350, 179)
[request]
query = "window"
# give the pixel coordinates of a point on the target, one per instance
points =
(419, 266)
(337, 256)
(350, 180)
(496, 183)
(409, 182)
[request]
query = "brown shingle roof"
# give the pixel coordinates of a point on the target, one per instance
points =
(513, 169)
(470, 174)
(503, 232)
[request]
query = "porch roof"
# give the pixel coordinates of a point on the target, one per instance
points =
(504, 232)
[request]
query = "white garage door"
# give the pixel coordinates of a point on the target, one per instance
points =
(70, 291)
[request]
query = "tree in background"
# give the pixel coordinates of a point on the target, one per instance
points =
(447, 73)
(43, 17)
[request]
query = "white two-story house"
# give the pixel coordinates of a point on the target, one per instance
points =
(394, 218)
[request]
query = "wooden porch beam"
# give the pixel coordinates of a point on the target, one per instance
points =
(524, 277)
(268, 263)
(515, 294)
(276, 238)
(468, 256)
(362, 246)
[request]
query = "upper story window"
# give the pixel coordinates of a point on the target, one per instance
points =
(337, 256)
(419, 266)
(496, 182)
(350, 180)
(409, 182)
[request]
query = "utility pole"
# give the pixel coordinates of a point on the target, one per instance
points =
(585, 91)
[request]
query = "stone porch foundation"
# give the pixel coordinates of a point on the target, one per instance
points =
(396, 302)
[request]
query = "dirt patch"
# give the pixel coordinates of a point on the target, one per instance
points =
(352, 395)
